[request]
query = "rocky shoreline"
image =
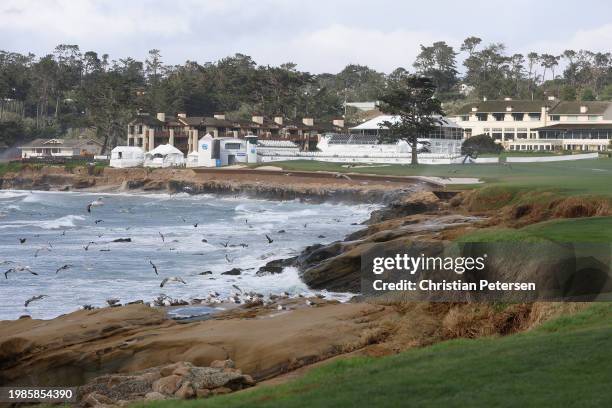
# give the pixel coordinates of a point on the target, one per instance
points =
(271, 185)
(140, 345)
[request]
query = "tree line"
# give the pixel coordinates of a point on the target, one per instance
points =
(69, 89)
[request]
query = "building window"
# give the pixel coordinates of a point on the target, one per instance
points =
(497, 136)
(593, 117)
(464, 118)
(233, 146)
(498, 117)
(555, 118)
(482, 117)
(518, 117)
(521, 135)
(535, 116)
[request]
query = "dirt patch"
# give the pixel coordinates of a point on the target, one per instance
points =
(517, 209)
(419, 324)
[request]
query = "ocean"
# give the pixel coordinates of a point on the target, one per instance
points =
(230, 233)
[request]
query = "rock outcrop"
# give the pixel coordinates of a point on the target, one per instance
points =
(74, 349)
(311, 187)
(405, 205)
(337, 266)
(180, 380)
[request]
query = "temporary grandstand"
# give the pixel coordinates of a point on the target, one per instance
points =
(362, 145)
(276, 146)
(446, 138)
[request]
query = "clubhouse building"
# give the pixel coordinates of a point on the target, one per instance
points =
(522, 125)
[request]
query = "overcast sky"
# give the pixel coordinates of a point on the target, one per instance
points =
(318, 35)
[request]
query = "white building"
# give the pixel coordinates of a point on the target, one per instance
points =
(362, 106)
(60, 148)
(224, 151)
(531, 125)
(127, 156)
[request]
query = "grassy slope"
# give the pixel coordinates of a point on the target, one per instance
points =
(9, 167)
(572, 177)
(565, 362)
(594, 229)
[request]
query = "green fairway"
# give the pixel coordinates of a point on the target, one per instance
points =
(565, 362)
(592, 229)
(569, 177)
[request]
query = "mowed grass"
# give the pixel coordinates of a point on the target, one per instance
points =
(570, 177)
(592, 229)
(565, 362)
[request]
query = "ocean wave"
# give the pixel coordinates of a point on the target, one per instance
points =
(67, 221)
(11, 194)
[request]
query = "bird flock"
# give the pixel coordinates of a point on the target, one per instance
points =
(237, 297)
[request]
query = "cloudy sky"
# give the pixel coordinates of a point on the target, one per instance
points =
(318, 35)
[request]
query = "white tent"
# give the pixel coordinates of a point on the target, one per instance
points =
(126, 156)
(192, 159)
(164, 156)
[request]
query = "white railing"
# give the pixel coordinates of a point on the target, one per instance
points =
(555, 158)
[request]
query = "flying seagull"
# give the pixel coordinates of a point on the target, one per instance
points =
(86, 247)
(22, 240)
(227, 258)
(162, 237)
(95, 203)
(154, 267)
(63, 268)
(195, 225)
(47, 248)
(270, 240)
(98, 221)
(171, 279)
(34, 298)
(19, 269)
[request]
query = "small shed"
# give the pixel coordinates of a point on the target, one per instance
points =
(126, 156)
(164, 156)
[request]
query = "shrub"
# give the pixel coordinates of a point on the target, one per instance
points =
(480, 144)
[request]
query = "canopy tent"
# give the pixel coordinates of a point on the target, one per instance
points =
(192, 159)
(126, 156)
(164, 156)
